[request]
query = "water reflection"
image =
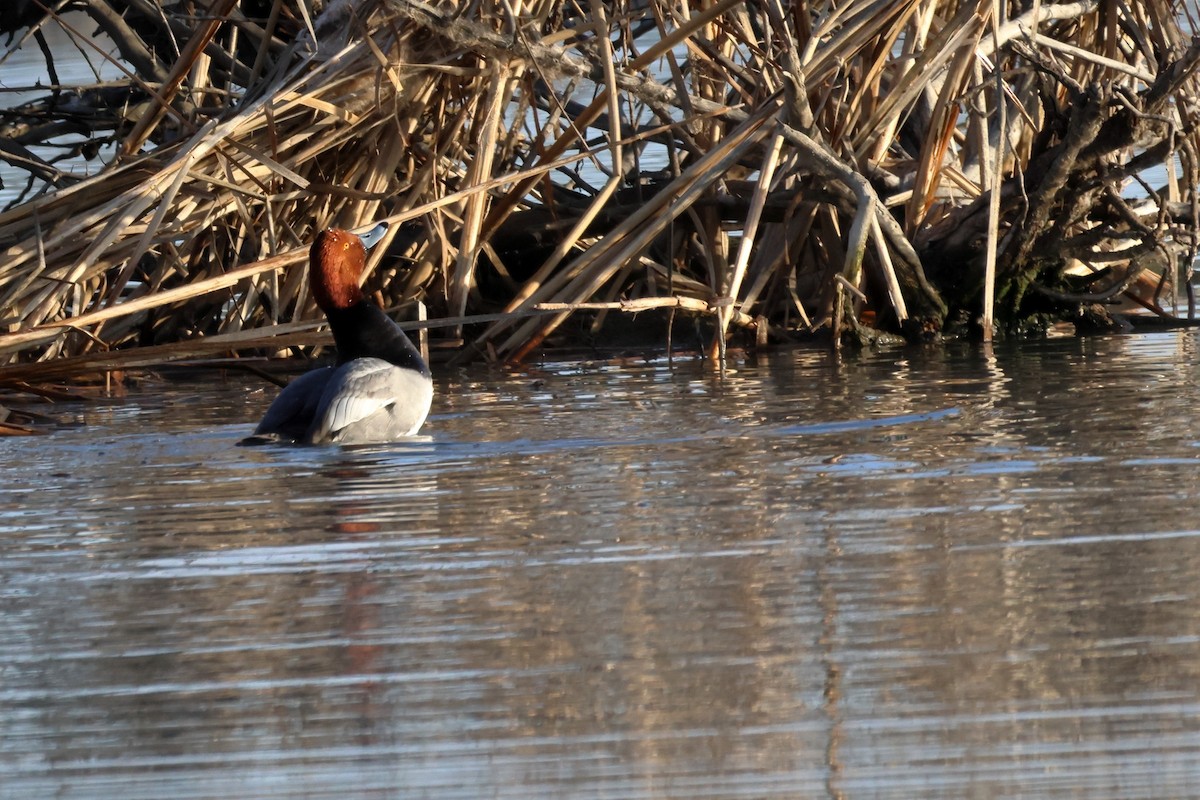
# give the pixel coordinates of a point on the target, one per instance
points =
(915, 573)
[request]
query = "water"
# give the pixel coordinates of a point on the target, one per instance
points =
(24, 78)
(917, 573)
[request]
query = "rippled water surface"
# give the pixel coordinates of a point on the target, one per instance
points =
(911, 574)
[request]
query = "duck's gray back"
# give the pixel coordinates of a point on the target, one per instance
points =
(369, 400)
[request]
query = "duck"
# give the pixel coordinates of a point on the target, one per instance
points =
(379, 390)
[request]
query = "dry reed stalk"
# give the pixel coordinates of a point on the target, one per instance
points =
(894, 292)
(591, 270)
(13, 429)
(992, 178)
(753, 217)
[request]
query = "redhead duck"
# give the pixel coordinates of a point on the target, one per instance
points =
(379, 390)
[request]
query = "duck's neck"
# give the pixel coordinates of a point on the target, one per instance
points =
(364, 331)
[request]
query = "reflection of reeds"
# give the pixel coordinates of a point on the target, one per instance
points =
(816, 164)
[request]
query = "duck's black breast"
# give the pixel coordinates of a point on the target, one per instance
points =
(364, 331)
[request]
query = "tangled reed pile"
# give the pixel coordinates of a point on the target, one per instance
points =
(920, 167)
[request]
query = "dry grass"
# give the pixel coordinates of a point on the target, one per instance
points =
(801, 166)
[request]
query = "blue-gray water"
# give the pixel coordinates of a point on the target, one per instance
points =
(917, 573)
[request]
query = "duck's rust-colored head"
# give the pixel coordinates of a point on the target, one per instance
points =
(335, 263)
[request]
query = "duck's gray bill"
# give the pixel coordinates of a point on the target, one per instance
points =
(371, 237)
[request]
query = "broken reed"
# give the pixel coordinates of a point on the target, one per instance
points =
(798, 166)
